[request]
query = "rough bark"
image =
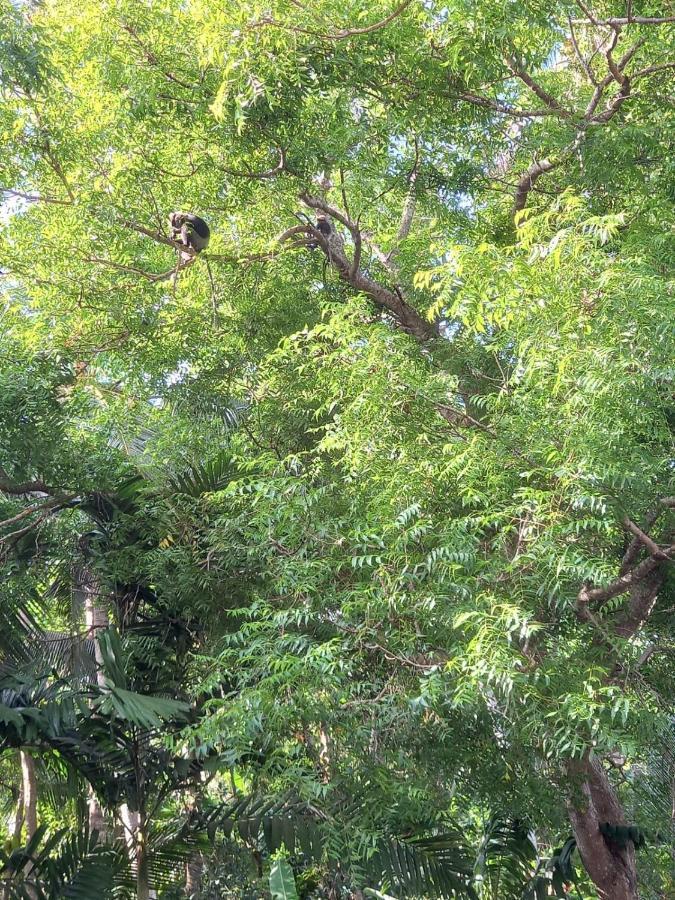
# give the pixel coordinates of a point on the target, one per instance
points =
(593, 802)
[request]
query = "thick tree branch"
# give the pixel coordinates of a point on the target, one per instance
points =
(527, 181)
(625, 582)
(390, 299)
(643, 538)
(24, 487)
(624, 20)
(537, 89)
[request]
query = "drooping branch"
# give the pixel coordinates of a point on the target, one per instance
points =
(340, 34)
(259, 176)
(527, 181)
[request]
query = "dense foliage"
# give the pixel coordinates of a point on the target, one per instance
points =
(335, 561)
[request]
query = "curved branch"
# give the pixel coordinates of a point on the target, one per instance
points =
(340, 35)
(527, 181)
(259, 176)
(368, 29)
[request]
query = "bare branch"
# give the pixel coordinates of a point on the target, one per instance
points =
(624, 20)
(489, 103)
(651, 545)
(259, 176)
(150, 276)
(339, 35)
(527, 180)
(159, 237)
(351, 32)
(660, 67)
(290, 232)
(536, 88)
(50, 504)
(616, 103)
(584, 62)
(409, 206)
(589, 15)
(389, 299)
(35, 198)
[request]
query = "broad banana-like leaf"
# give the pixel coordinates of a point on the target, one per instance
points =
(282, 882)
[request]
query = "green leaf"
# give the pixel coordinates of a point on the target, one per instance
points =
(282, 882)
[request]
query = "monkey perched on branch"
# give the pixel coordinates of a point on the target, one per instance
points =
(191, 231)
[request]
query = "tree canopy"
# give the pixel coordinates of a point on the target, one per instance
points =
(335, 559)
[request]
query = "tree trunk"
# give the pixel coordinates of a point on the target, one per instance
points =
(96, 618)
(29, 787)
(193, 876)
(195, 865)
(611, 867)
(142, 873)
(135, 836)
(15, 824)
(29, 793)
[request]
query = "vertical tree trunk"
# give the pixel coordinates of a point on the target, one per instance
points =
(29, 793)
(195, 864)
(136, 837)
(95, 607)
(193, 876)
(611, 867)
(142, 873)
(29, 788)
(15, 824)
